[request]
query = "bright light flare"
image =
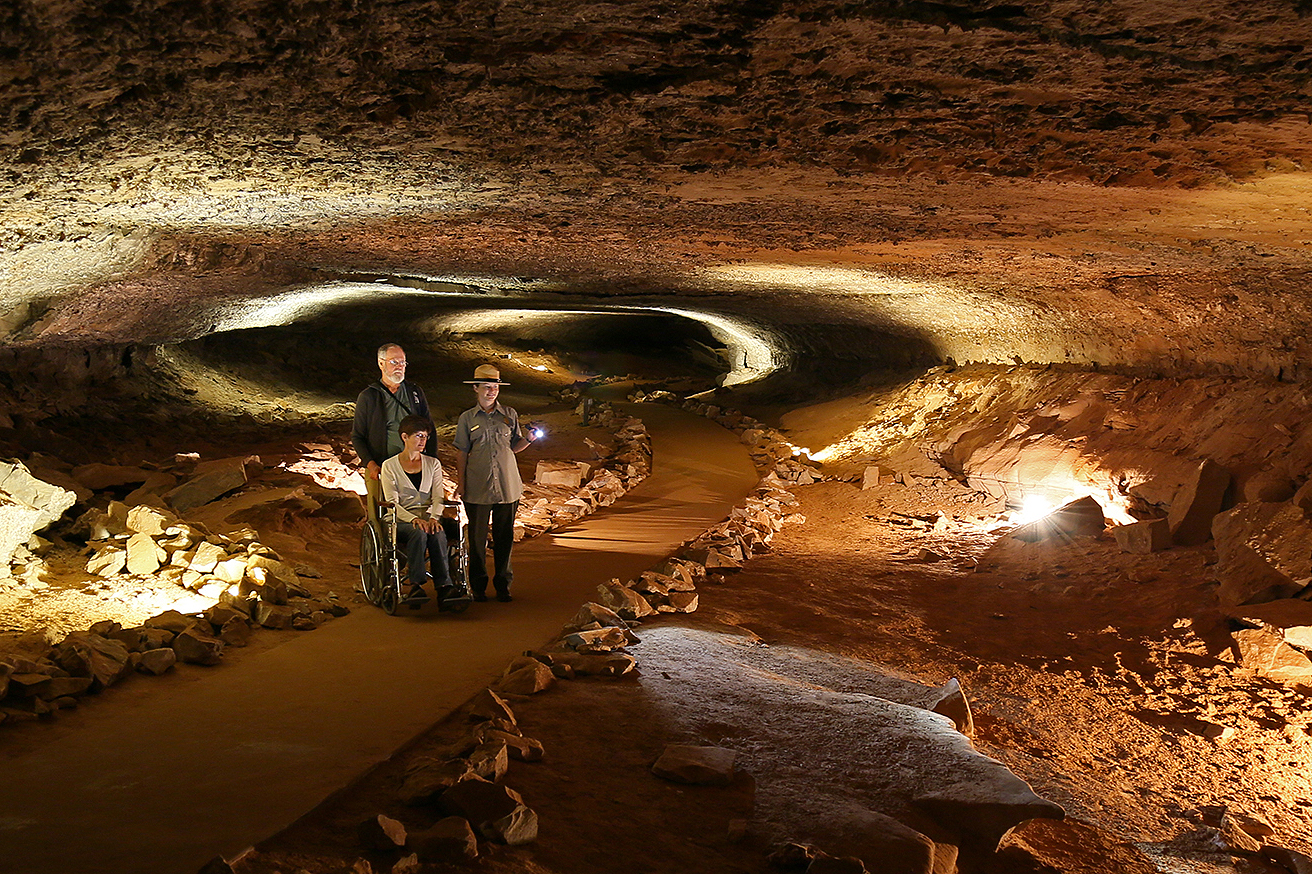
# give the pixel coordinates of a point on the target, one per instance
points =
(1037, 506)
(1033, 508)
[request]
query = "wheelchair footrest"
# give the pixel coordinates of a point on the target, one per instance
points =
(453, 599)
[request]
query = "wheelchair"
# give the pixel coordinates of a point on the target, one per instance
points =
(382, 561)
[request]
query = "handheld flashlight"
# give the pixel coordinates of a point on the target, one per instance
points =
(538, 433)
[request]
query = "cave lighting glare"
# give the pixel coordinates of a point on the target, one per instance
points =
(817, 278)
(297, 304)
(1033, 508)
(753, 352)
(1041, 499)
(755, 348)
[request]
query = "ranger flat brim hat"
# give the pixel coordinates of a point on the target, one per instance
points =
(486, 373)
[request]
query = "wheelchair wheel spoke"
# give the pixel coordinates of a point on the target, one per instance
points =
(372, 566)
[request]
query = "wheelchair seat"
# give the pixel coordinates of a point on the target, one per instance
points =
(383, 562)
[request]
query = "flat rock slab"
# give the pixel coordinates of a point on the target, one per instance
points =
(703, 766)
(1262, 552)
(210, 480)
(1291, 618)
(103, 476)
(27, 505)
(811, 749)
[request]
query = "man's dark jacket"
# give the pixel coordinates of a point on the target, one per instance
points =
(369, 436)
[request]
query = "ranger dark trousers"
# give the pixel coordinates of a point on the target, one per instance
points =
(503, 538)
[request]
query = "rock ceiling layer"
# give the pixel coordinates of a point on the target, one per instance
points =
(1116, 183)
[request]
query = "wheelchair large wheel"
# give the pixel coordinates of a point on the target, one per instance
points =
(373, 565)
(389, 597)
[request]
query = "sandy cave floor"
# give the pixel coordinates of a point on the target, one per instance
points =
(1085, 678)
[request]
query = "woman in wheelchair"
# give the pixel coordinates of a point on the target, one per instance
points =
(413, 482)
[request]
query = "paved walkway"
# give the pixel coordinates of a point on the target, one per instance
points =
(158, 776)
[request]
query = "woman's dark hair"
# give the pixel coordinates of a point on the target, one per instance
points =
(415, 424)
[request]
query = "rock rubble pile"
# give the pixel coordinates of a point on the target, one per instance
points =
(1263, 569)
(578, 488)
(38, 678)
(457, 790)
(144, 537)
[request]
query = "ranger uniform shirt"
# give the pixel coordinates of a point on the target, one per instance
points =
(491, 473)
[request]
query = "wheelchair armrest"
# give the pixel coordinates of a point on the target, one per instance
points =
(384, 505)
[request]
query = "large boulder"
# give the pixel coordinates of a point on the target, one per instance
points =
(698, 765)
(1265, 652)
(448, 841)
(1291, 618)
(929, 775)
(210, 480)
(1263, 552)
(427, 779)
(84, 654)
(623, 601)
(561, 473)
(27, 505)
(1083, 516)
(1197, 501)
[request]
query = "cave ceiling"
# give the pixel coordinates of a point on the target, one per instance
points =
(1112, 183)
